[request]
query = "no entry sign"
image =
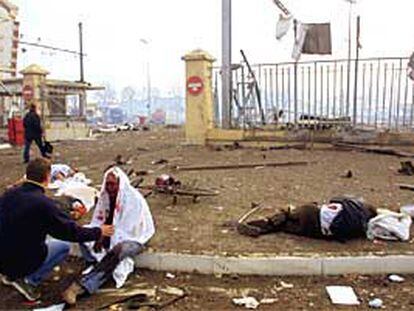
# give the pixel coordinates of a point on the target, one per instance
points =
(27, 92)
(195, 85)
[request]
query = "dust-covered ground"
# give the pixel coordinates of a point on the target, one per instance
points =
(198, 227)
(216, 293)
(189, 227)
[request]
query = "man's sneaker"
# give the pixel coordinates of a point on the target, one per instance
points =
(30, 292)
(70, 295)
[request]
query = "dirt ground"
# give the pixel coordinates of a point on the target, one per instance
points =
(213, 293)
(198, 227)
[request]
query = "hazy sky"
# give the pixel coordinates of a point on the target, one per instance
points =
(113, 30)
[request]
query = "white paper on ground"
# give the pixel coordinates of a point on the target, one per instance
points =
(342, 295)
(58, 307)
(5, 146)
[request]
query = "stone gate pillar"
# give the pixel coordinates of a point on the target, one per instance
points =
(199, 96)
(34, 89)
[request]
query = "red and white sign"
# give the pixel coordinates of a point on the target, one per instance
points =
(27, 93)
(195, 85)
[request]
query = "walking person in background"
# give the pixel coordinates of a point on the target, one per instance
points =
(33, 131)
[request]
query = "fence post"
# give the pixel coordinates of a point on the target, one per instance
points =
(356, 70)
(199, 97)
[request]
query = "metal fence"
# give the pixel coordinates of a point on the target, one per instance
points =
(373, 93)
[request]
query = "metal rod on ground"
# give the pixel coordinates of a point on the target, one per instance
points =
(249, 213)
(385, 151)
(406, 187)
(240, 166)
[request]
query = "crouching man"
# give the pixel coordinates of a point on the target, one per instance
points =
(123, 206)
(27, 217)
(342, 219)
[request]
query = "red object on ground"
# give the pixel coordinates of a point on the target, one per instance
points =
(16, 131)
(142, 120)
(195, 85)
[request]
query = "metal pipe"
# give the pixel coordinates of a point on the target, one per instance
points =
(82, 76)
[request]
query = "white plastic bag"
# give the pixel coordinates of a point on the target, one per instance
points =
(390, 226)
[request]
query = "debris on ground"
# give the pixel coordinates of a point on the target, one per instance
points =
(126, 295)
(247, 302)
(268, 301)
(172, 291)
(376, 303)
(58, 307)
(377, 150)
(5, 146)
(406, 187)
(396, 278)
(170, 276)
(240, 166)
(283, 286)
(342, 295)
(407, 168)
(160, 161)
(348, 174)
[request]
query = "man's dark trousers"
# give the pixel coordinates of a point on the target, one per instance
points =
(28, 143)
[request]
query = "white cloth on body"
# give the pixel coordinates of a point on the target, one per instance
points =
(132, 221)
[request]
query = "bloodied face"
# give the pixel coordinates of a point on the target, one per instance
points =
(112, 185)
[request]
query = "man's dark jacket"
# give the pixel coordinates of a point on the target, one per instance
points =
(27, 216)
(352, 221)
(32, 126)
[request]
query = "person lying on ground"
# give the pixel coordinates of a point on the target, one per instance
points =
(342, 219)
(62, 171)
(123, 206)
(73, 207)
(27, 217)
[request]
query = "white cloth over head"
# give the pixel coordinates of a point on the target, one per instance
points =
(132, 221)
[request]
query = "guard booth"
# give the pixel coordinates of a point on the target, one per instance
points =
(61, 103)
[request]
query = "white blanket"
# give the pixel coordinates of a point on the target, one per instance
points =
(132, 221)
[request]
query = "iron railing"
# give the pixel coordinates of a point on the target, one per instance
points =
(373, 93)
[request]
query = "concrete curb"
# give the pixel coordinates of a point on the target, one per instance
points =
(276, 266)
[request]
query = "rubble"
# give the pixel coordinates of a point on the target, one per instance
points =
(247, 302)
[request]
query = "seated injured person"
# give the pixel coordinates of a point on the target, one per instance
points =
(122, 206)
(342, 219)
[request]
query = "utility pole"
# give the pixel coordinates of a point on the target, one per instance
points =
(148, 89)
(82, 77)
(348, 83)
(226, 85)
(146, 43)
